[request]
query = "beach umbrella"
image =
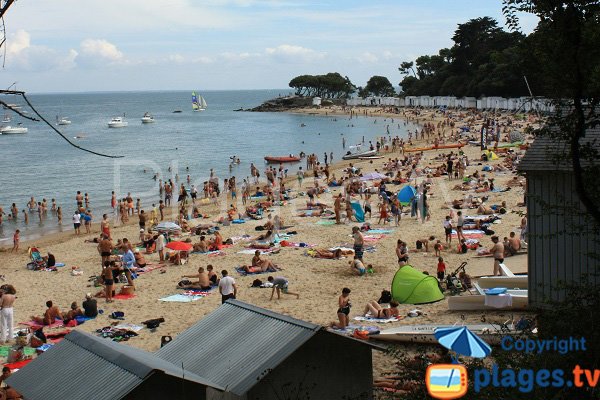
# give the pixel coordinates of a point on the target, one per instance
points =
(180, 246)
(372, 176)
(168, 226)
(461, 340)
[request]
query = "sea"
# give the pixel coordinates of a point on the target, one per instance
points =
(42, 164)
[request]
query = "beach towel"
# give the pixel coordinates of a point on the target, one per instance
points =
(214, 253)
(326, 222)
(378, 320)
(81, 319)
(349, 330)
(4, 350)
(149, 268)
(379, 231)
(373, 238)
(470, 233)
(45, 347)
(181, 298)
(130, 327)
(18, 365)
(297, 244)
(242, 272)
(359, 213)
(251, 251)
(35, 326)
(123, 296)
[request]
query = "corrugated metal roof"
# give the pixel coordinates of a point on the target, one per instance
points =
(80, 366)
(238, 344)
(551, 154)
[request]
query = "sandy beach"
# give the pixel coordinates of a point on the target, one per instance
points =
(318, 281)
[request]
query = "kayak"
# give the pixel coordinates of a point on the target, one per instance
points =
(439, 147)
(281, 159)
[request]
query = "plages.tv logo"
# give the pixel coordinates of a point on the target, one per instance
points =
(449, 381)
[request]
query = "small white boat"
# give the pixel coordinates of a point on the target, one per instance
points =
(13, 129)
(6, 119)
(147, 118)
(117, 122)
(63, 121)
(359, 154)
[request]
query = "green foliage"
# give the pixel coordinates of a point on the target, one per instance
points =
(379, 86)
(332, 85)
(484, 60)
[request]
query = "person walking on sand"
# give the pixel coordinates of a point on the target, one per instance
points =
(227, 287)
(343, 310)
(105, 226)
(498, 252)
(16, 239)
(280, 284)
(359, 242)
(447, 223)
(6, 313)
(337, 208)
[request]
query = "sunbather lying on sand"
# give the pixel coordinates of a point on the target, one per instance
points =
(333, 254)
(379, 312)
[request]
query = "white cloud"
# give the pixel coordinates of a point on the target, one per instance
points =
(176, 58)
(367, 58)
(22, 55)
(291, 53)
(102, 49)
(18, 42)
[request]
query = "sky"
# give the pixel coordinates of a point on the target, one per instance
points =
(128, 45)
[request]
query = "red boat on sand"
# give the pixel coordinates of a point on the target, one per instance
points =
(282, 159)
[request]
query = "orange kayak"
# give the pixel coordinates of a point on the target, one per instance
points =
(282, 159)
(439, 147)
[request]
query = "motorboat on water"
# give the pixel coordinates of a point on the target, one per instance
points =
(63, 121)
(6, 119)
(117, 122)
(13, 129)
(358, 153)
(147, 118)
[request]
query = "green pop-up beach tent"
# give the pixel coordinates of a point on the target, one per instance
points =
(410, 286)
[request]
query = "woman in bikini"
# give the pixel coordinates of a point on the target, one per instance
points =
(343, 310)
(382, 313)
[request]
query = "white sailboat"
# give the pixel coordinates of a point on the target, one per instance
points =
(198, 102)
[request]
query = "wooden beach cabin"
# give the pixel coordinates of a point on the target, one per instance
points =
(560, 248)
(237, 352)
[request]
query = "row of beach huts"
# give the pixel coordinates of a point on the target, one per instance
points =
(523, 104)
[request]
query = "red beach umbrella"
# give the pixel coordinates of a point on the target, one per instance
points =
(181, 246)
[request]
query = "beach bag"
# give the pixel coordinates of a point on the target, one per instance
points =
(184, 282)
(386, 297)
(259, 228)
(257, 283)
(228, 241)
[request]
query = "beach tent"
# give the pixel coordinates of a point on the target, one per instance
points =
(410, 286)
(406, 195)
(491, 155)
(359, 213)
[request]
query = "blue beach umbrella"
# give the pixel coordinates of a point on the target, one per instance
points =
(463, 341)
